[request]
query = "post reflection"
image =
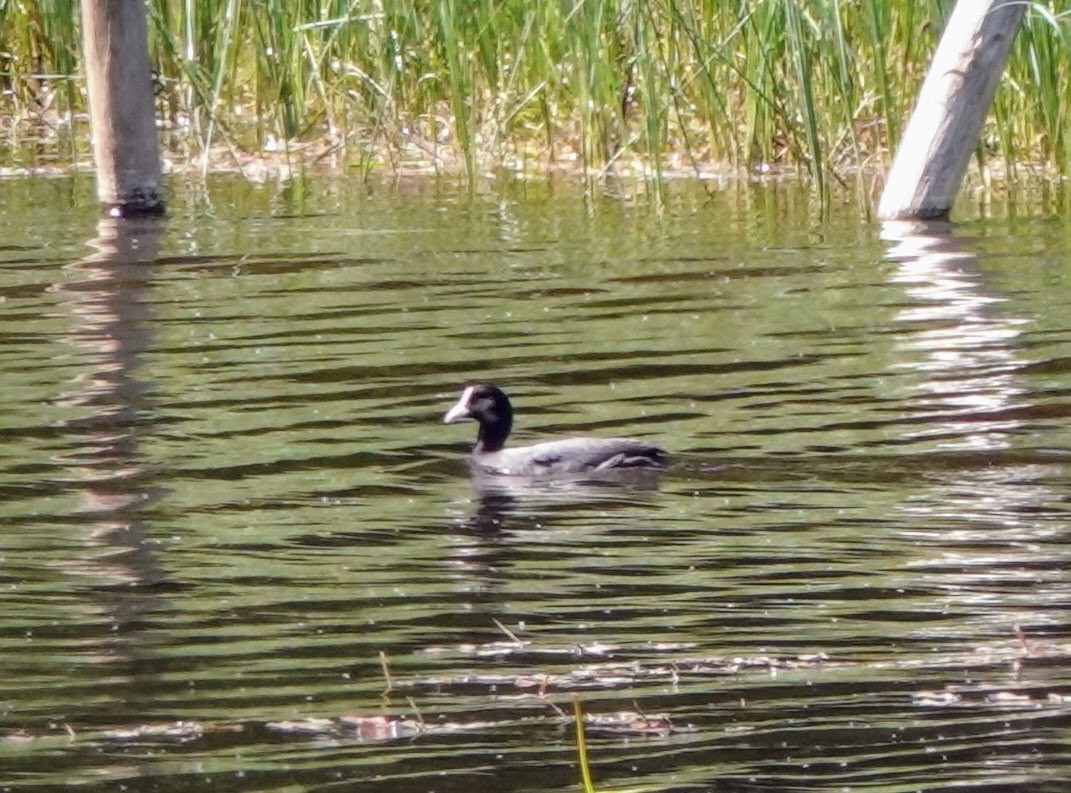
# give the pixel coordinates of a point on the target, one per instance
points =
(964, 351)
(978, 513)
(108, 306)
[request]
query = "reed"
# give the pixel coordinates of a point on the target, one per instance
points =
(582, 748)
(822, 86)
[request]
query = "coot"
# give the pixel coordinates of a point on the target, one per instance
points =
(489, 406)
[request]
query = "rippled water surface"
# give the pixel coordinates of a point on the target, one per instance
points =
(240, 551)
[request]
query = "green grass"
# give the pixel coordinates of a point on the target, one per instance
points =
(818, 86)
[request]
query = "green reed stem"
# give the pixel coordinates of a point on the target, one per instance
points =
(582, 748)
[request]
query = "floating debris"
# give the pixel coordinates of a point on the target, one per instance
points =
(177, 730)
(936, 698)
(363, 728)
(621, 673)
(657, 725)
(987, 695)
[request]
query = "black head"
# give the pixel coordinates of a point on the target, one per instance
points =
(488, 405)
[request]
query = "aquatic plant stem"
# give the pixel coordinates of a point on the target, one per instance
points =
(582, 747)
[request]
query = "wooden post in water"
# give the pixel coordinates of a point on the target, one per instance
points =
(122, 115)
(952, 107)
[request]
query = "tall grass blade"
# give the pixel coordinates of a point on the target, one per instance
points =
(582, 748)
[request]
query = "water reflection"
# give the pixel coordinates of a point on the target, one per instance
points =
(501, 500)
(108, 302)
(800, 591)
(978, 523)
(510, 521)
(964, 352)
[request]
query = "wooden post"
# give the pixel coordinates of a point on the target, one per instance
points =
(952, 107)
(125, 146)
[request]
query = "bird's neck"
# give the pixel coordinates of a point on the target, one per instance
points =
(492, 435)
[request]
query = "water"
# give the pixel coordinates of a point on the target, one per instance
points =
(241, 552)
